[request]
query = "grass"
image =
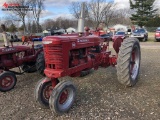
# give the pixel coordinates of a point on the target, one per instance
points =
(151, 37)
(151, 34)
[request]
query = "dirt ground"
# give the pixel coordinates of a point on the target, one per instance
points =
(99, 95)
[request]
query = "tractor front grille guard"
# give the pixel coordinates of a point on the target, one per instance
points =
(53, 56)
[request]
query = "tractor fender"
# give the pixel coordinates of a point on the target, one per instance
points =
(117, 44)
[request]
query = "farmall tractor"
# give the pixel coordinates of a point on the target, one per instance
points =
(23, 56)
(70, 55)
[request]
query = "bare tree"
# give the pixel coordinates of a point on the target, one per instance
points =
(97, 11)
(109, 13)
(29, 21)
(10, 19)
(75, 9)
(38, 6)
(100, 11)
(121, 16)
(21, 13)
(48, 24)
(59, 23)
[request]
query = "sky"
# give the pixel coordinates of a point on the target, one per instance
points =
(57, 8)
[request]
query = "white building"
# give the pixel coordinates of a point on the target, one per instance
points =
(70, 30)
(46, 32)
(120, 27)
(61, 30)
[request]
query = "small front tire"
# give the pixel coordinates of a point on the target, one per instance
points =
(62, 97)
(43, 91)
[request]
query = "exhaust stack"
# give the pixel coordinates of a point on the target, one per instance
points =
(81, 19)
(6, 42)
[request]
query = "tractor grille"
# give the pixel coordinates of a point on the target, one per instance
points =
(53, 56)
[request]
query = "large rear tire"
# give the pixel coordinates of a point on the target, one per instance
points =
(40, 63)
(29, 67)
(128, 63)
(7, 81)
(62, 97)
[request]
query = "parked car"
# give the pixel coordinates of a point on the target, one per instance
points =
(14, 38)
(157, 34)
(119, 34)
(141, 34)
(107, 37)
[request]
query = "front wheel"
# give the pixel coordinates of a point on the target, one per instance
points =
(62, 97)
(7, 81)
(128, 63)
(43, 91)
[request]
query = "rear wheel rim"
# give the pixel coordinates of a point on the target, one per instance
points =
(7, 82)
(65, 98)
(134, 64)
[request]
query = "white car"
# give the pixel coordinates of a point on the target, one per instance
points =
(141, 34)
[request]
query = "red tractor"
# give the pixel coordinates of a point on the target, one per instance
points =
(71, 55)
(23, 56)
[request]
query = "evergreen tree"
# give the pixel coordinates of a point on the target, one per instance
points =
(155, 22)
(144, 11)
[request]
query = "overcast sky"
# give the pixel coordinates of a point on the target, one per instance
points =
(56, 8)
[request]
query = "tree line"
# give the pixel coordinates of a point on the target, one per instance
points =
(15, 16)
(141, 12)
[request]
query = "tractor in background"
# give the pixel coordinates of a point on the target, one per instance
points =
(22, 56)
(70, 55)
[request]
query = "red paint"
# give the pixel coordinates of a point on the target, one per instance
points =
(117, 43)
(17, 55)
(63, 97)
(48, 89)
(69, 55)
(47, 92)
(6, 81)
(133, 61)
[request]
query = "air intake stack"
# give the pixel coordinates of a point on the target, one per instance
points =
(81, 19)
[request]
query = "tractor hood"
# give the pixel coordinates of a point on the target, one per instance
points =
(72, 41)
(14, 49)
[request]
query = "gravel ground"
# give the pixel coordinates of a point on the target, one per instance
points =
(99, 95)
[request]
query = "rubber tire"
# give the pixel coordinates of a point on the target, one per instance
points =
(7, 73)
(53, 100)
(123, 62)
(84, 73)
(27, 65)
(40, 63)
(38, 93)
(144, 39)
